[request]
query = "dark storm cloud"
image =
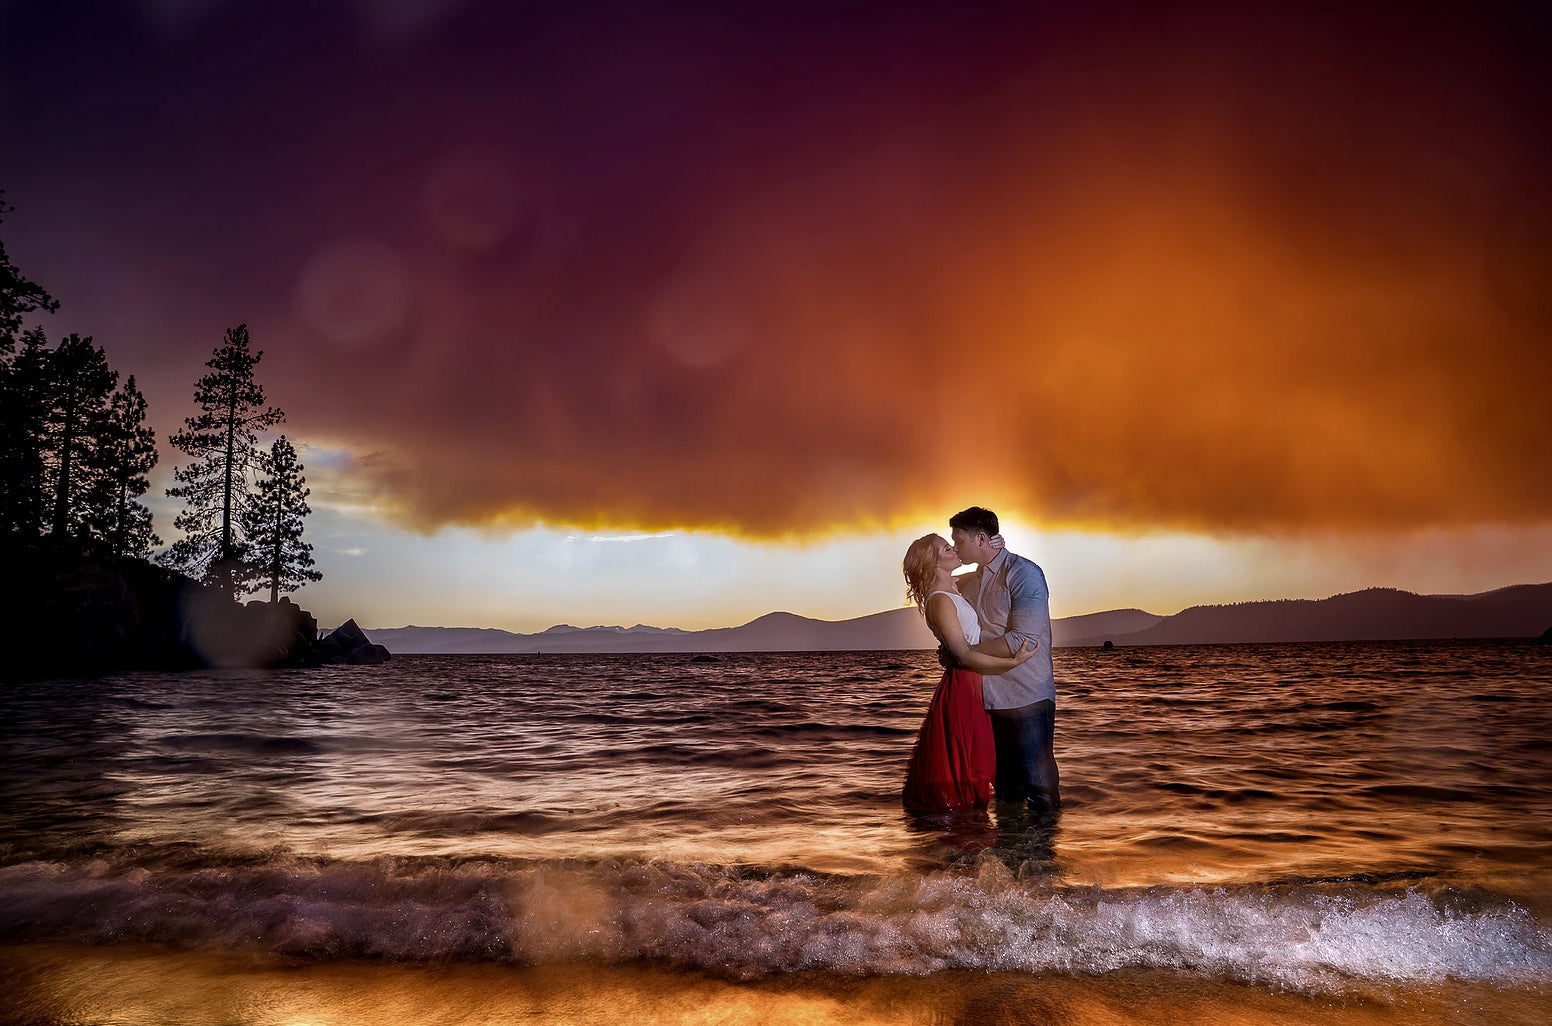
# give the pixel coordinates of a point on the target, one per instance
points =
(786, 268)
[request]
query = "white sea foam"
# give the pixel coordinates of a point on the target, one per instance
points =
(1302, 936)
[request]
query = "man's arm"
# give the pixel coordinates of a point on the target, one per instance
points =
(1027, 612)
(1028, 606)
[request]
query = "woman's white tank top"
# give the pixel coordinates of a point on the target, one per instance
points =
(968, 621)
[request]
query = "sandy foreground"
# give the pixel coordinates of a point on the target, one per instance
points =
(143, 984)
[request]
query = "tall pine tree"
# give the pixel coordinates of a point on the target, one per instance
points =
(21, 375)
(80, 385)
(125, 455)
(24, 405)
(272, 522)
(215, 485)
(73, 453)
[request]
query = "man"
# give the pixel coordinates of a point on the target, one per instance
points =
(1010, 597)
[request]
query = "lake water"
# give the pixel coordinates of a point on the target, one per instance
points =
(1332, 834)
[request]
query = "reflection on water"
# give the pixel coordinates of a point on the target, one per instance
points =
(565, 837)
(1023, 841)
(1186, 765)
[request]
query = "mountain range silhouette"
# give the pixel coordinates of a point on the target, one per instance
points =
(1375, 614)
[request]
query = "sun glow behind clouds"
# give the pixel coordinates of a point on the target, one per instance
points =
(528, 579)
(533, 579)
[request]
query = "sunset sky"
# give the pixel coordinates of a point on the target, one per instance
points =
(679, 313)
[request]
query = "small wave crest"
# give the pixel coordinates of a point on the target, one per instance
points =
(1303, 936)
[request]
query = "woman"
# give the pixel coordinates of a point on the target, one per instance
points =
(954, 759)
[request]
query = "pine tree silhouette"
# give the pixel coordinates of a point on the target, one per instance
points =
(215, 485)
(79, 387)
(272, 522)
(24, 405)
(125, 455)
(20, 374)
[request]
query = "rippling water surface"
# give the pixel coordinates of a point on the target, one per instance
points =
(1370, 822)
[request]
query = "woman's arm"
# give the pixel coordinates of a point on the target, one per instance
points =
(943, 619)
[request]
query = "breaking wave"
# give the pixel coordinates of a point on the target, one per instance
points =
(1313, 936)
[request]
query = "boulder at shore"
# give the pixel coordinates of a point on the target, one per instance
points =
(347, 644)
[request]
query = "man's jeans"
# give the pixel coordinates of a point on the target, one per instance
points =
(1026, 764)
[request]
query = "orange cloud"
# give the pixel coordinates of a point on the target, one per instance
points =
(1261, 280)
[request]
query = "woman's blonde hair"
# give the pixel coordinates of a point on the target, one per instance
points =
(920, 566)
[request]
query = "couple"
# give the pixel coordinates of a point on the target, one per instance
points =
(993, 714)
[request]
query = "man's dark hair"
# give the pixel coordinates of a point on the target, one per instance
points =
(975, 520)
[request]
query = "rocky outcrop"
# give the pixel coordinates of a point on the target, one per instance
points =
(254, 634)
(346, 644)
(1546, 637)
(71, 615)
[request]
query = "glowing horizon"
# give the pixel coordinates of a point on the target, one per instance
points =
(531, 579)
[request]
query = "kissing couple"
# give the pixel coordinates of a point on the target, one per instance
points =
(992, 718)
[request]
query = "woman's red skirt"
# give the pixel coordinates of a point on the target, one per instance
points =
(954, 759)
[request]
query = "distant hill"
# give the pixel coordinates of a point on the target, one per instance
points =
(1068, 631)
(773, 632)
(1378, 614)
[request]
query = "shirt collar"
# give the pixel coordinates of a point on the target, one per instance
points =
(995, 563)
